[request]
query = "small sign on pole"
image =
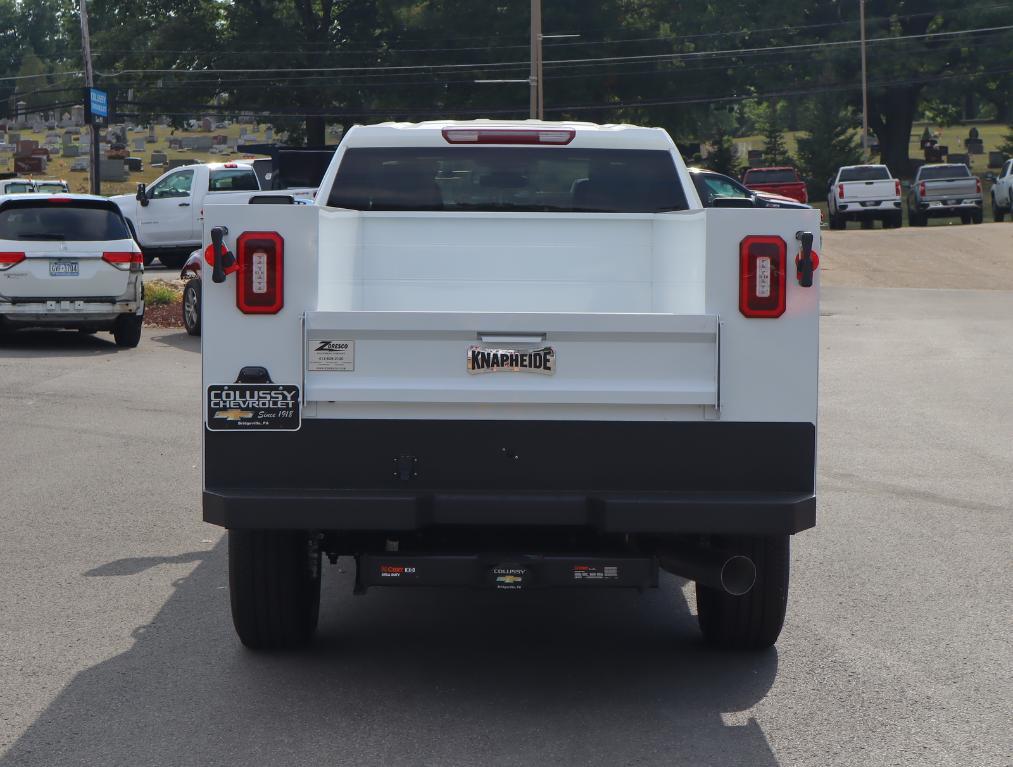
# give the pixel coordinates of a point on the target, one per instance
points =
(98, 103)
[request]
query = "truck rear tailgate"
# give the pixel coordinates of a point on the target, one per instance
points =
(533, 358)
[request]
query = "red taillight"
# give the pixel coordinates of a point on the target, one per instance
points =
(977, 185)
(557, 136)
(762, 284)
(921, 189)
(230, 165)
(840, 191)
(896, 186)
(54, 198)
(7, 260)
(127, 260)
(260, 287)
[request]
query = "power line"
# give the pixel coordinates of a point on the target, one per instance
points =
(603, 59)
(307, 48)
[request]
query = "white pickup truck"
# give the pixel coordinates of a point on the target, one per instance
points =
(165, 217)
(1002, 192)
(864, 193)
(511, 355)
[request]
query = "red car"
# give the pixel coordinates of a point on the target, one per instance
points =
(783, 181)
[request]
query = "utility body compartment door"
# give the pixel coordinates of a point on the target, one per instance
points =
(520, 359)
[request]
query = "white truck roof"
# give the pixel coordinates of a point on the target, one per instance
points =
(587, 135)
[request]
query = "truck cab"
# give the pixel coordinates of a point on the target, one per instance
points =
(509, 355)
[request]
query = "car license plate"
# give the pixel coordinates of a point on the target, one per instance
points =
(952, 202)
(64, 268)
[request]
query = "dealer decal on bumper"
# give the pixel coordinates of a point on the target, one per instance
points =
(253, 407)
(485, 360)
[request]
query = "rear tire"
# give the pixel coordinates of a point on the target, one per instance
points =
(274, 585)
(917, 219)
(893, 221)
(977, 216)
(192, 307)
(837, 221)
(965, 218)
(127, 330)
(998, 213)
(752, 621)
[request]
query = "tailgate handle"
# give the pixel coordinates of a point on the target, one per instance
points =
(223, 258)
(500, 338)
(806, 261)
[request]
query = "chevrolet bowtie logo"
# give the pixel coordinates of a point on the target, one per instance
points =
(509, 579)
(234, 415)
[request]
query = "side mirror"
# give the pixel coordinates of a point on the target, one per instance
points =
(733, 202)
(142, 194)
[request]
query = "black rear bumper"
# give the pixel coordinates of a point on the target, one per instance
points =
(614, 477)
(714, 513)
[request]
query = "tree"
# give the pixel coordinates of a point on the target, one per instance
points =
(775, 149)
(1007, 147)
(830, 142)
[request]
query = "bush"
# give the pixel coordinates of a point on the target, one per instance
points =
(161, 294)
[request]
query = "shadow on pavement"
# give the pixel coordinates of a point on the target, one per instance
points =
(412, 678)
(135, 565)
(178, 339)
(55, 343)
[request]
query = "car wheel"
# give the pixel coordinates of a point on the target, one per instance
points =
(837, 221)
(274, 586)
(998, 214)
(917, 219)
(191, 307)
(752, 621)
(127, 330)
(977, 216)
(965, 218)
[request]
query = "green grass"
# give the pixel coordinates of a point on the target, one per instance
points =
(161, 294)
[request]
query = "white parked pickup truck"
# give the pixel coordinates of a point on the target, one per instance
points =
(166, 216)
(864, 193)
(511, 355)
(1002, 192)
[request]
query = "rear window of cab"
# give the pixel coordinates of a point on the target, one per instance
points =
(865, 173)
(770, 177)
(504, 179)
(69, 220)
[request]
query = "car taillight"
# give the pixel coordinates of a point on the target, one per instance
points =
(977, 185)
(260, 287)
(7, 260)
(921, 189)
(896, 186)
(557, 136)
(762, 284)
(127, 260)
(840, 191)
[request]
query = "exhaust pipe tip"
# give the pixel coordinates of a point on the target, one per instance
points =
(738, 575)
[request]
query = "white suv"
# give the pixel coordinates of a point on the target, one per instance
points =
(68, 261)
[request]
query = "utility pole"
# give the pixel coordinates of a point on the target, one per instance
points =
(865, 87)
(89, 81)
(535, 111)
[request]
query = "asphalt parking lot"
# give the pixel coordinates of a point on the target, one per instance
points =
(118, 648)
